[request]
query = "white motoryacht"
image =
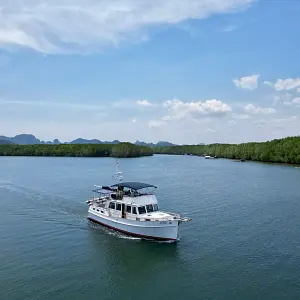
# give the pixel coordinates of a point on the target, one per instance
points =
(132, 208)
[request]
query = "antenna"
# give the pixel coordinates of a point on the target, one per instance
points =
(118, 175)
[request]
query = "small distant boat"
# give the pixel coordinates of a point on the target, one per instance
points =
(132, 208)
(209, 157)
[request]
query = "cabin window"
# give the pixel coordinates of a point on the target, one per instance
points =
(134, 210)
(155, 207)
(149, 208)
(119, 206)
(142, 210)
(112, 205)
(128, 209)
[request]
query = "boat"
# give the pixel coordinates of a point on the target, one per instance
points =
(209, 157)
(132, 208)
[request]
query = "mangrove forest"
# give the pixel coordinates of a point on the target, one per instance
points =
(286, 150)
(77, 150)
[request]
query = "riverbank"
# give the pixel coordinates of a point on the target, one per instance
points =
(77, 150)
(282, 151)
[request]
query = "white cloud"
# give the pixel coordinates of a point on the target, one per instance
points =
(133, 120)
(269, 83)
(143, 103)
(196, 109)
(286, 84)
(254, 110)
(247, 82)
(298, 90)
(55, 26)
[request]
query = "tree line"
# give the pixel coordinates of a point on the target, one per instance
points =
(77, 150)
(286, 150)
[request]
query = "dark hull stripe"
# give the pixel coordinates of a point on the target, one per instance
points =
(131, 233)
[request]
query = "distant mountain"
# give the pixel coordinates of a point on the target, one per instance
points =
(138, 143)
(29, 139)
(22, 139)
(93, 141)
(26, 139)
(5, 142)
(164, 144)
(159, 144)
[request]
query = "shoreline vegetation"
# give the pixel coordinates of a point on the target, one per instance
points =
(282, 151)
(77, 150)
(279, 151)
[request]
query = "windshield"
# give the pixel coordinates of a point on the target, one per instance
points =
(149, 208)
(142, 210)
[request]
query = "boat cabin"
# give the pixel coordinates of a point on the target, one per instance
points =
(128, 200)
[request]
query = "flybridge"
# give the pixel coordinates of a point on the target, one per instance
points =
(134, 185)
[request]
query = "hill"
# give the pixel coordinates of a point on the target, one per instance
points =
(6, 142)
(29, 139)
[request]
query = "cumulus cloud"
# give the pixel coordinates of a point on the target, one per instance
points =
(180, 109)
(55, 26)
(247, 82)
(286, 84)
(254, 110)
(143, 103)
(268, 83)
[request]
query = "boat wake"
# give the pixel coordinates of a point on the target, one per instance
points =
(40, 204)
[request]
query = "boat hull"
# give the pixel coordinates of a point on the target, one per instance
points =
(163, 231)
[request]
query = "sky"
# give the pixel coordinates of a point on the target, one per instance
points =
(193, 71)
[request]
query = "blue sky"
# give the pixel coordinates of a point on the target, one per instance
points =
(185, 71)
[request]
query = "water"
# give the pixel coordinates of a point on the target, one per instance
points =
(243, 241)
